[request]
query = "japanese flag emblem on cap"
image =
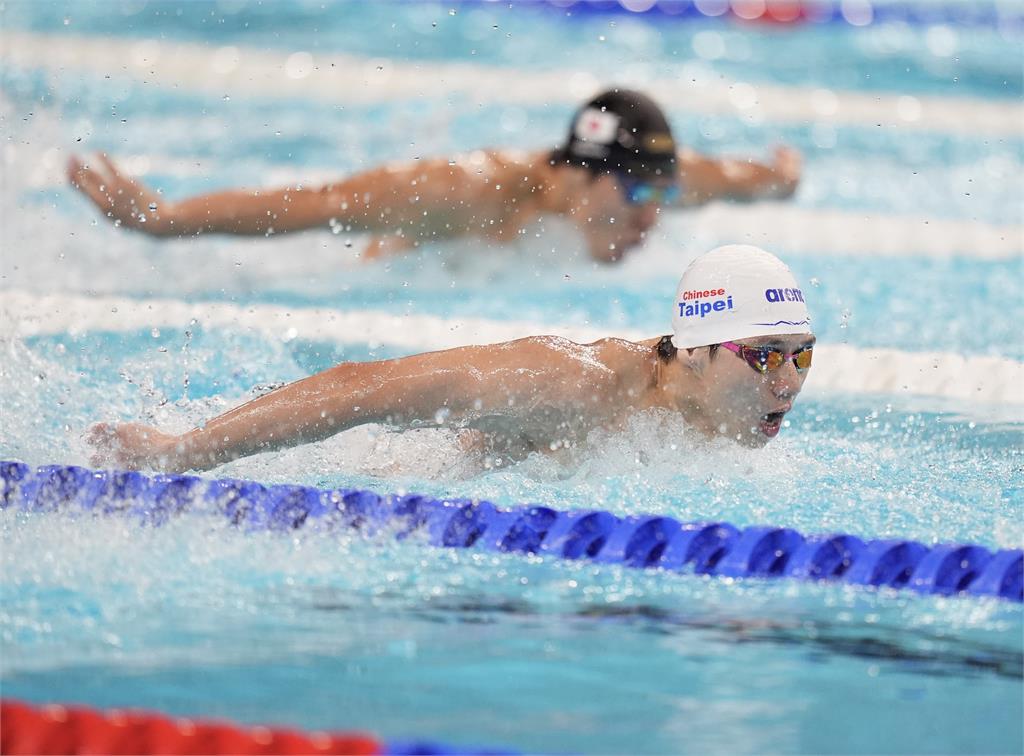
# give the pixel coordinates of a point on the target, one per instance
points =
(595, 125)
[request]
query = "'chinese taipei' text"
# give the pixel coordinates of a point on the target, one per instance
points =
(700, 303)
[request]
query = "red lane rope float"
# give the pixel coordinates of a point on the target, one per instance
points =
(52, 729)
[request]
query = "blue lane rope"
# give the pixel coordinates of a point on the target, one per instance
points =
(653, 541)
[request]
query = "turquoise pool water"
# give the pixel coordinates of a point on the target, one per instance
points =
(336, 631)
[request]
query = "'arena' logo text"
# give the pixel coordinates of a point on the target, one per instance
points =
(784, 295)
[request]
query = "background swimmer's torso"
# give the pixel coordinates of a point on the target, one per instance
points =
(906, 236)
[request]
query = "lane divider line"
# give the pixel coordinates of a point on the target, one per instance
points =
(643, 541)
(238, 71)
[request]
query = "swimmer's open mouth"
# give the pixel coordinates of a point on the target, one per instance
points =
(772, 423)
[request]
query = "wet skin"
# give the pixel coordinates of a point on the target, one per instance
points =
(531, 394)
(490, 194)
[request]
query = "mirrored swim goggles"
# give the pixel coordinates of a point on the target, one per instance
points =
(763, 359)
(639, 192)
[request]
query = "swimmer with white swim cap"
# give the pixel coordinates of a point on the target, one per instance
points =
(737, 358)
(617, 170)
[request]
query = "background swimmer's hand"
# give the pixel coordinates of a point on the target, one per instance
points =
(786, 168)
(130, 446)
(127, 202)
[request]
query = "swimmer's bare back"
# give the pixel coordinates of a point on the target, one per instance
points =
(536, 392)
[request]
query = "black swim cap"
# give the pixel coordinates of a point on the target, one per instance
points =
(620, 129)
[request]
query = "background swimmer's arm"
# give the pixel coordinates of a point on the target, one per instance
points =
(425, 388)
(383, 200)
(704, 179)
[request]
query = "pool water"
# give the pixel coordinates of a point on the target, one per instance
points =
(906, 233)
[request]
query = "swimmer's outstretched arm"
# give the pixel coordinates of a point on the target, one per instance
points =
(400, 392)
(704, 179)
(416, 199)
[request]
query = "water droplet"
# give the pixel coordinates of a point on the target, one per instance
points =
(155, 333)
(451, 11)
(152, 207)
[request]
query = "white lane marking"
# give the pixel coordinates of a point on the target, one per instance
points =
(838, 367)
(784, 226)
(347, 79)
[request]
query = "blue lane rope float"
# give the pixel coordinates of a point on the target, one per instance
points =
(708, 548)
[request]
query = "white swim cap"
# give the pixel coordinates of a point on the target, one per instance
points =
(737, 292)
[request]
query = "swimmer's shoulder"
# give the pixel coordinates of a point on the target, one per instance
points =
(612, 360)
(510, 164)
(624, 355)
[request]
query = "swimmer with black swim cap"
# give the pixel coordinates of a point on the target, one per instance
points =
(616, 172)
(732, 367)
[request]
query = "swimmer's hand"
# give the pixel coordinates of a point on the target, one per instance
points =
(785, 169)
(127, 202)
(131, 446)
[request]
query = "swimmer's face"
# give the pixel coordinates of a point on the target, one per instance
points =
(610, 222)
(745, 404)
